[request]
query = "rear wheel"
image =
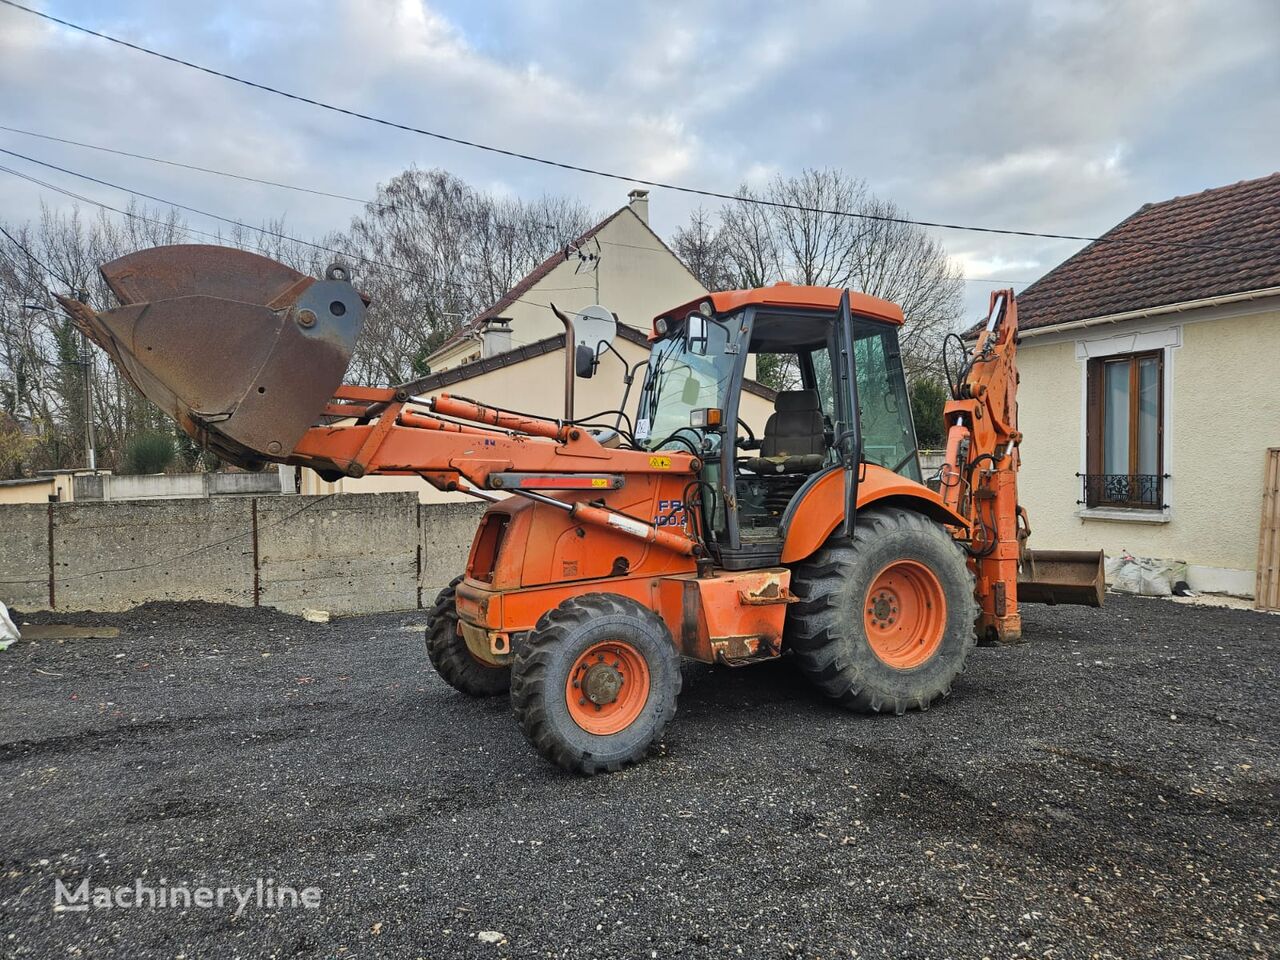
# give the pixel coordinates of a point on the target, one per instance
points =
(594, 685)
(453, 660)
(885, 619)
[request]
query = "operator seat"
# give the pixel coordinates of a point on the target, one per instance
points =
(794, 438)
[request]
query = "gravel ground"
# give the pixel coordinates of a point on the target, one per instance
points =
(1109, 790)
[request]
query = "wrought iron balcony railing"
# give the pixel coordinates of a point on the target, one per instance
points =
(1141, 490)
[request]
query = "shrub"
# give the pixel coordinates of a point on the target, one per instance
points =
(149, 453)
(927, 400)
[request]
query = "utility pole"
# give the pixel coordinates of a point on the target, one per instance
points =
(86, 361)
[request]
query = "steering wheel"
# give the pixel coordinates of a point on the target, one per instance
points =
(694, 446)
(751, 442)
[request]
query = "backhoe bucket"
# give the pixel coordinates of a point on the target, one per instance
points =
(1062, 576)
(243, 352)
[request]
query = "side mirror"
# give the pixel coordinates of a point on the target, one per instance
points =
(584, 361)
(695, 332)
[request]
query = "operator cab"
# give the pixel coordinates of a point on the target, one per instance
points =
(695, 399)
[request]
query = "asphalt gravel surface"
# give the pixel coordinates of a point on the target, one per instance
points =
(1108, 789)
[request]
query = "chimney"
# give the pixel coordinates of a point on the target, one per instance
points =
(638, 201)
(497, 337)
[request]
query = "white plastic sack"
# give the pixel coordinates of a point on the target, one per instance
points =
(8, 632)
(1145, 576)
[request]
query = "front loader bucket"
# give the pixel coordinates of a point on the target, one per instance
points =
(243, 352)
(1062, 576)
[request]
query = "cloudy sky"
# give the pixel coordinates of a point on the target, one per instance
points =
(1053, 116)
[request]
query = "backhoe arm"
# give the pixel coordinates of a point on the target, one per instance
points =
(980, 473)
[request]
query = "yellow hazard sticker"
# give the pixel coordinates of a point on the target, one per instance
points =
(599, 482)
(660, 463)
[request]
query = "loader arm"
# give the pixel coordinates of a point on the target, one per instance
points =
(481, 448)
(979, 481)
(268, 388)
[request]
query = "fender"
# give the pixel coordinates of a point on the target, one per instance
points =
(818, 508)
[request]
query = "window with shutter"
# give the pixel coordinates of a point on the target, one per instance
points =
(1124, 427)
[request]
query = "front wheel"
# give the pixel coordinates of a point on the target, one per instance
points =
(453, 660)
(885, 620)
(595, 683)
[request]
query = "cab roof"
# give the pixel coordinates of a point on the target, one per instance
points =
(797, 297)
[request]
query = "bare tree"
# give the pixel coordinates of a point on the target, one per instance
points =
(700, 245)
(825, 228)
(42, 358)
(433, 252)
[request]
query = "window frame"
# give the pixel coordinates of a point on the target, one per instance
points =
(1095, 431)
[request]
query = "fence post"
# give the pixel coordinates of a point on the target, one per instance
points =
(257, 564)
(49, 533)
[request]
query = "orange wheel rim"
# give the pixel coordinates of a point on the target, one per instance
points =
(905, 614)
(607, 687)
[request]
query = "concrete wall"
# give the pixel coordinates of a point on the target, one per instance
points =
(93, 487)
(342, 554)
(166, 486)
(24, 555)
(113, 556)
(351, 554)
(445, 531)
(1222, 403)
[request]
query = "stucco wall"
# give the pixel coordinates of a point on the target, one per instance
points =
(27, 491)
(636, 277)
(38, 490)
(1223, 413)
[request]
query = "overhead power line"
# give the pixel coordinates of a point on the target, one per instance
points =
(196, 210)
(36, 260)
(229, 220)
(324, 193)
(192, 231)
(577, 168)
(187, 166)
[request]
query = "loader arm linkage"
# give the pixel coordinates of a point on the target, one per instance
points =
(480, 448)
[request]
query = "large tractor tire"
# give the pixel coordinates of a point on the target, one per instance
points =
(885, 619)
(595, 683)
(449, 654)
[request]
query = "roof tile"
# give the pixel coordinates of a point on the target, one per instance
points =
(1166, 257)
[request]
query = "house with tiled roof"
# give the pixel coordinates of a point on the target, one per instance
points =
(512, 354)
(619, 263)
(1150, 386)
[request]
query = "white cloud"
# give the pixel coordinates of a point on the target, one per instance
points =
(1061, 116)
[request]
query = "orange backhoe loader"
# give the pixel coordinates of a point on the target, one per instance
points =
(610, 551)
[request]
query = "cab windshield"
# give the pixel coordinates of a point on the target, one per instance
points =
(684, 376)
